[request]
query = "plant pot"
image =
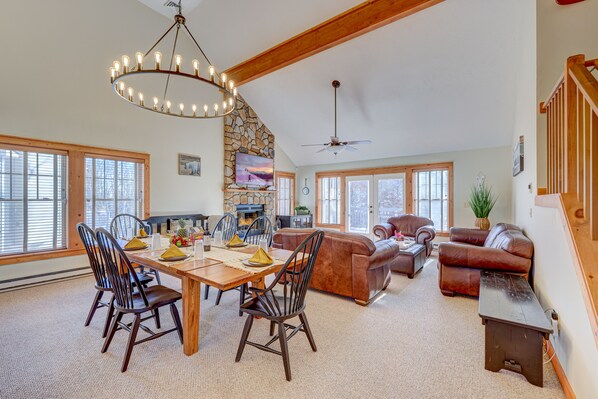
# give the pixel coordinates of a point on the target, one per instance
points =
(482, 223)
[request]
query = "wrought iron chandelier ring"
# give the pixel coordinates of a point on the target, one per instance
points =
(123, 69)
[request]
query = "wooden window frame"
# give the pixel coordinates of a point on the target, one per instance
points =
(288, 175)
(76, 188)
(406, 169)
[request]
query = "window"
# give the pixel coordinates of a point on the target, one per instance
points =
(329, 200)
(36, 176)
(112, 187)
(285, 185)
(431, 196)
(32, 201)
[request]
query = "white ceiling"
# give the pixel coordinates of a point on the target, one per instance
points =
(440, 80)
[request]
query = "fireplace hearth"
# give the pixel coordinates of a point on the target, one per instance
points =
(247, 213)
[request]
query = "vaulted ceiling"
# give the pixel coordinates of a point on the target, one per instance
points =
(440, 80)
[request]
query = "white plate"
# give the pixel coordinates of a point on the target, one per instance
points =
(246, 262)
(174, 259)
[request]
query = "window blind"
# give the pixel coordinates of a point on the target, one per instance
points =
(284, 196)
(112, 187)
(431, 196)
(32, 201)
(330, 200)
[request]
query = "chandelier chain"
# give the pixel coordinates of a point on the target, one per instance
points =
(176, 38)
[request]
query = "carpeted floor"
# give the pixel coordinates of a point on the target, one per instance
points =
(411, 343)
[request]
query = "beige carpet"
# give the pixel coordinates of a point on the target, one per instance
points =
(411, 343)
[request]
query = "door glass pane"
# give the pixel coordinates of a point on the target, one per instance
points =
(359, 206)
(391, 201)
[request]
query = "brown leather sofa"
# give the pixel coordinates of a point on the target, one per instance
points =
(348, 264)
(503, 249)
(419, 228)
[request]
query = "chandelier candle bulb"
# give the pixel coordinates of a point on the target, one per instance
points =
(112, 74)
(116, 66)
(224, 106)
(130, 94)
(158, 58)
(178, 60)
(205, 109)
(215, 109)
(235, 92)
(195, 67)
(121, 87)
(182, 107)
(230, 102)
(212, 70)
(155, 103)
(141, 99)
(139, 59)
(168, 106)
(223, 79)
(194, 108)
(126, 61)
(231, 84)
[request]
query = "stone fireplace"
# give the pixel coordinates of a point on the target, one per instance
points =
(245, 132)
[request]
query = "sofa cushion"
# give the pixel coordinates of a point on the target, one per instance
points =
(511, 239)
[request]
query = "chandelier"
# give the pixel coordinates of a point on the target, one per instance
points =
(148, 72)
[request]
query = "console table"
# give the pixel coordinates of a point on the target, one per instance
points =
(515, 325)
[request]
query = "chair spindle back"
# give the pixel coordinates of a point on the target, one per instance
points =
(122, 225)
(96, 261)
(228, 225)
(260, 228)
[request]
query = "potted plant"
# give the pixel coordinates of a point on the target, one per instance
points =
(301, 210)
(481, 201)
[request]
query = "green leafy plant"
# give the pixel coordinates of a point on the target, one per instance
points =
(482, 200)
(301, 210)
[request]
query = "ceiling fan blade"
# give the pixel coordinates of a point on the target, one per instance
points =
(349, 148)
(313, 145)
(359, 142)
(322, 150)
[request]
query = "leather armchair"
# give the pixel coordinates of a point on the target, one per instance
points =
(504, 249)
(419, 228)
(348, 264)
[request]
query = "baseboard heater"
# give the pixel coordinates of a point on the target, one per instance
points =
(43, 278)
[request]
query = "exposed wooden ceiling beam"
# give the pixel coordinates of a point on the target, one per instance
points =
(356, 21)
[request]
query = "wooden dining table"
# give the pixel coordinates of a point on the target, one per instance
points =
(193, 272)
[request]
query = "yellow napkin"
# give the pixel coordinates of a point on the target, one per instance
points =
(172, 252)
(261, 257)
(142, 233)
(135, 243)
(235, 241)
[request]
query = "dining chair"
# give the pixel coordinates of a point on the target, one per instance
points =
(228, 226)
(121, 227)
(260, 228)
(98, 268)
(130, 297)
(277, 307)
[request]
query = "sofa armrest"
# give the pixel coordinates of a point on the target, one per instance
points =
(425, 234)
(463, 255)
(384, 230)
(469, 236)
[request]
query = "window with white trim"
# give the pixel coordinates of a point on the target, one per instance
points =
(33, 201)
(330, 200)
(112, 187)
(431, 196)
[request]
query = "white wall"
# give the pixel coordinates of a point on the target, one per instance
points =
(494, 163)
(54, 86)
(282, 162)
(559, 33)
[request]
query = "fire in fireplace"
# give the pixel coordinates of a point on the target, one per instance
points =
(247, 213)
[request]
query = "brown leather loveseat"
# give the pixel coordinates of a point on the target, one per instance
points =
(503, 249)
(419, 228)
(348, 264)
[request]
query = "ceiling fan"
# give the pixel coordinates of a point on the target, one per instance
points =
(335, 145)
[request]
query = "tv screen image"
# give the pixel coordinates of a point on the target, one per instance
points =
(252, 170)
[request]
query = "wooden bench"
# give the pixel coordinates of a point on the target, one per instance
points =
(515, 325)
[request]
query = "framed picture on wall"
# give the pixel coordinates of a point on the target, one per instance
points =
(518, 157)
(189, 165)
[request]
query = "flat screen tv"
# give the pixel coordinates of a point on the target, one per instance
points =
(252, 170)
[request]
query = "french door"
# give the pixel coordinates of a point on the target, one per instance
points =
(372, 199)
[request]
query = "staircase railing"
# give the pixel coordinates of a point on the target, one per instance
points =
(572, 137)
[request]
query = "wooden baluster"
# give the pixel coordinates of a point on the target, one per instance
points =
(580, 147)
(593, 209)
(549, 160)
(587, 113)
(571, 161)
